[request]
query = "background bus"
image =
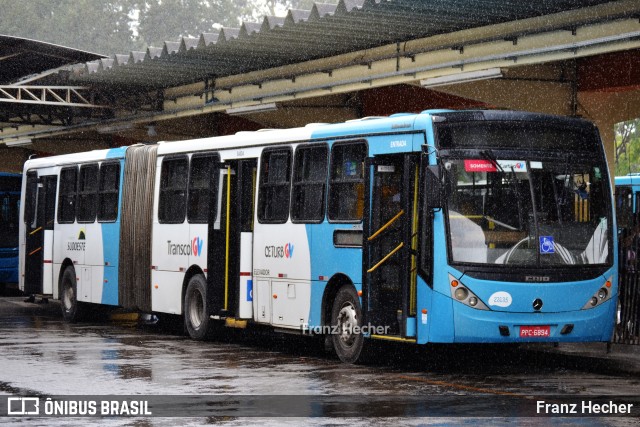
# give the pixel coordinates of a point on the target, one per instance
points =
(627, 195)
(482, 226)
(10, 184)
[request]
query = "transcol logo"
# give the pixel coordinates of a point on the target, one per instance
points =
(285, 251)
(194, 248)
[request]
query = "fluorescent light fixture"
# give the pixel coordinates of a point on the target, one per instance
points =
(464, 77)
(114, 128)
(19, 142)
(250, 109)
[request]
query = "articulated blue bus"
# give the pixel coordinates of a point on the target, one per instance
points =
(10, 184)
(438, 227)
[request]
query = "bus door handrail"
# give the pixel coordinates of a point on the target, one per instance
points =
(387, 225)
(383, 260)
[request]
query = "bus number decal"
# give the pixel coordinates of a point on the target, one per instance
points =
(500, 299)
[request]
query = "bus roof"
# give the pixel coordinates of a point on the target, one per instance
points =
(87, 156)
(396, 123)
(314, 131)
(629, 179)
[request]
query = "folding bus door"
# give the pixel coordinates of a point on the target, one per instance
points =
(390, 243)
(39, 217)
(231, 241)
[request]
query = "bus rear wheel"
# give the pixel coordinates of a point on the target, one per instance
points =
(346, 319)
(196, 313)
(72, 309)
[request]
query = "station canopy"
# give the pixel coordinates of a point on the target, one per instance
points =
(21, 58)
(325, 30)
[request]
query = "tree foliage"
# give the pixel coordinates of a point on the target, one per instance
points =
(96, 26)
(119, 26)
(627, 147)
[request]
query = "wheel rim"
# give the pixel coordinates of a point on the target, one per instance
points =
(347, 321)
(196, 309)
(68, 297)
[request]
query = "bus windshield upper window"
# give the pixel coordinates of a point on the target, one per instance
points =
(346, 187)
(516, 135)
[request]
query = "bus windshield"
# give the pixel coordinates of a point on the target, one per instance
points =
(528, 213)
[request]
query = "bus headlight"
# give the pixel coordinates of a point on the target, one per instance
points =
(600, 296)
(462, 294)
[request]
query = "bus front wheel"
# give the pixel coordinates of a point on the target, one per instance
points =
(71, 307)
(346, 320)
(196, 314)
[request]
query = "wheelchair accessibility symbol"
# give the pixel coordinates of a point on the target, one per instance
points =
(546, 245)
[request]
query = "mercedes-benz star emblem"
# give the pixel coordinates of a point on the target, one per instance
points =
(537, 304)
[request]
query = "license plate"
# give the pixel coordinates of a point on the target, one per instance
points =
(535, 331)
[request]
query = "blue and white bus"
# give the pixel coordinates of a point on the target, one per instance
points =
(627, 189)
(439, 227)
(10, 184)
(627, 199)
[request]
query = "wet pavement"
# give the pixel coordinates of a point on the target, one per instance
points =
(43, 356)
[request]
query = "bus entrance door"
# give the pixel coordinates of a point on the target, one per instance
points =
(231, 241)
(390, 245)
(39, 217)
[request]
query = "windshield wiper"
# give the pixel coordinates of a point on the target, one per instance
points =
(488, 155)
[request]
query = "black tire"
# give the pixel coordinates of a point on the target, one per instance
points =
(345, 314)
(72, 310)
(197, 322)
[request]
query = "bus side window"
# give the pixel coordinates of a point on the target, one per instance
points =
(200, 180)
(67, 199)
(346, 185)
(309, 183)
(109, 189)
(87, 193)
(173, 190)
(275, 186)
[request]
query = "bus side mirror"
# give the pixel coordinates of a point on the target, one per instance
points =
(433, 187)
